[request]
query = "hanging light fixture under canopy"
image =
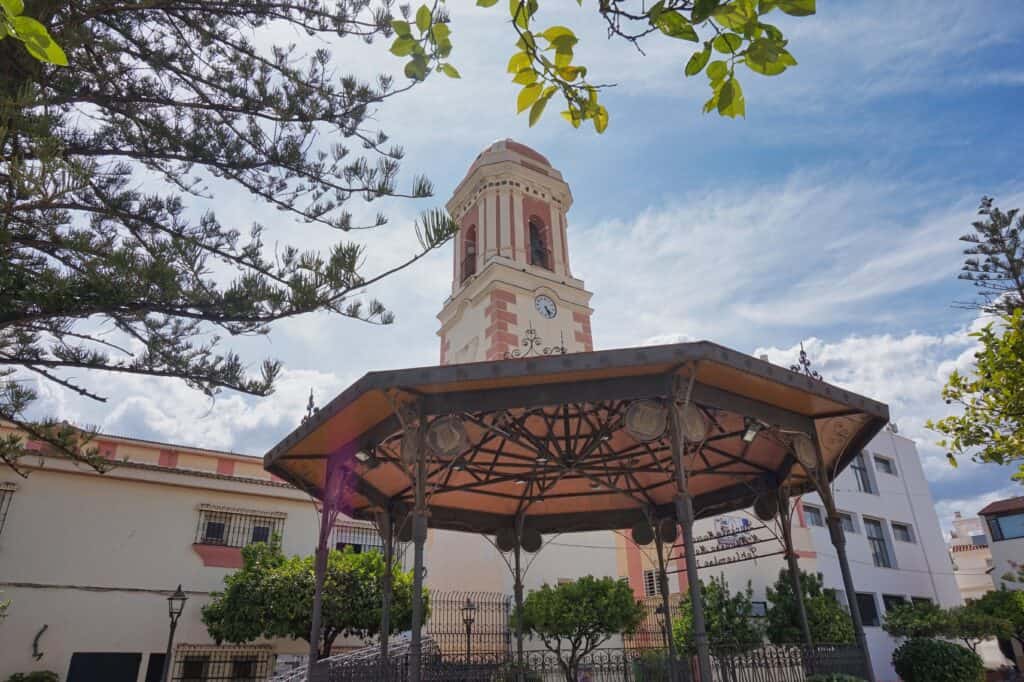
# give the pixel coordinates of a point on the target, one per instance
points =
(805, 452)
(642, 533)
(668, 530)
(505, 539)
(646, 420)
(766, 506)
(531, 540)
(447, 437)
(691, 419)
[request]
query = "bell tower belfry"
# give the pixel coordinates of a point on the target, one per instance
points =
(513, 293)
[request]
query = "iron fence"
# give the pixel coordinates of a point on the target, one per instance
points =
(470, 623)
(231, 528)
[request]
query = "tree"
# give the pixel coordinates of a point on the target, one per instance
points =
(734, 31)
(992, 422)
(106, 265)
(991, 425)
(272, 596)
(972, 627)
(1006, 605)
(828, 621)
(729, 619)
(917, 620)
(995, 258)
(573, 619)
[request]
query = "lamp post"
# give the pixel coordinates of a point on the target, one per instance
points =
(468, 611)
(175, 605)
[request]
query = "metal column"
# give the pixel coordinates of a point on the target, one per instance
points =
(419, 537)
(673, 661)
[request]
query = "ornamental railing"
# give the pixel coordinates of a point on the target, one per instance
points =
(236, 528)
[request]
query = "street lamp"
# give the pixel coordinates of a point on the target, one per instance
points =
(468, 611)
(175, 605)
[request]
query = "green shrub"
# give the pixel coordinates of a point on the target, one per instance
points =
(35, 676)
(834, 677)
(933, 660)
(651, 666)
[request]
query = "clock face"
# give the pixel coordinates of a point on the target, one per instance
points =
(545, 306)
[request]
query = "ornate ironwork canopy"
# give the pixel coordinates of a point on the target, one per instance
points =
(552, 442)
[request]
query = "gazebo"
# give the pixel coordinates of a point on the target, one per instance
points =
(646, 438)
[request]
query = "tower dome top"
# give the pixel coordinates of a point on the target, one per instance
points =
(501, 147)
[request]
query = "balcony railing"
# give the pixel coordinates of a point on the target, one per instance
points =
(229, 528)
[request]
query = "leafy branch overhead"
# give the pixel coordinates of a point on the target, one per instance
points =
(730, 33)
(112, 256)
(29, 31)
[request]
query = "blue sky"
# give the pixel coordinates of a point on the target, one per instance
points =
(829, 215)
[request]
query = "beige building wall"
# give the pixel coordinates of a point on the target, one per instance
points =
(87, 560)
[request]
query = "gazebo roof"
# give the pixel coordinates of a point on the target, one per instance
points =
(545, 438)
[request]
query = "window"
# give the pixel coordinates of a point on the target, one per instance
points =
(469, 253)
(879, 547)
(979, 540)
(651, 583)
(812, 515)
(902, 532)
(193, 669)
(243, 670)
(920, 601)
(891, 601)
(868, 609)
(540, 255)
(847, 522)
(759, 609)
(6, 495)
(860, 472)
(359, 538)
(1007, 527)
(885, 465)
(235, 527)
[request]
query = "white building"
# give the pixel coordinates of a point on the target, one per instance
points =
(971, 556)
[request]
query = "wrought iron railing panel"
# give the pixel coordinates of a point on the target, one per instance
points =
(488, 633)
(221, 664)
(236, 529)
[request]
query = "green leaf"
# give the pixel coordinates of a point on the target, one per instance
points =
(730, 99)
(564, 44)
(416, 68)
(38, 41)
(486, 3)
(402, 47)
(717, 70)
(727, 43)
(527, 96)
(440, 33)
(655, 11)
(952, 460)
(537, 109)
(525, 76)
(699, 60)
(12, 7)
(571, 117)
(555, 32)
(797, 8)
(735, 15)
(423, 18)
(401, 28)
(450, 71)
(675, 25)
(702, 9)
(601, 120)
(518, 62)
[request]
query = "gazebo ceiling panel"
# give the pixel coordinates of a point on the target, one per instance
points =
(545, 438)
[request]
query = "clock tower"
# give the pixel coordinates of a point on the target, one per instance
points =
(513, 293)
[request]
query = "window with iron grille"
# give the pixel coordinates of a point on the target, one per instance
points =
(892, 601)
(236, 527)
(759, 609)
(651, 583)
(879, 546)
(847, 522)
(813, 516)
(921, 601)
(868, 609)
(6, 496)
(195, 663)
(902, 532)
(359, 538)
(885, 465)
(860, 472)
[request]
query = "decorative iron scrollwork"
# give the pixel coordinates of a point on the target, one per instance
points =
(532, 344)
(803, 365)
